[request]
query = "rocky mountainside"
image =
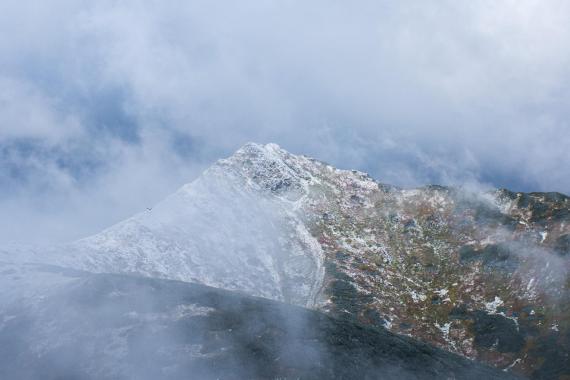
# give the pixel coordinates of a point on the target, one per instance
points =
(77, 325)
(481, 274)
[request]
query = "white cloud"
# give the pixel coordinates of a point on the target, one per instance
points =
(25, 112)
(414, 92)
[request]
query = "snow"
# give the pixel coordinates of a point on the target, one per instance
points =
(238, 226)
(445, 331)
(179, 312)
(441, 292)
(492, 306)
(518, 360)
(417, 297)
(444, 328)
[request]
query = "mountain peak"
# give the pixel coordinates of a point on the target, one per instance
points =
(252, 146)
(255, 151)
(269, 167)
(449, 267)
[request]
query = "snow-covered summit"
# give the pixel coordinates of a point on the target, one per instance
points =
(266, 166)
(233, 227)
(242, 225)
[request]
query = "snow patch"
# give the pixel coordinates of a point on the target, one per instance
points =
(417, 297)
(441, 292)
(492, 306)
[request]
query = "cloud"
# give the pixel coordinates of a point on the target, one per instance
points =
(142, 92)
(25, 112)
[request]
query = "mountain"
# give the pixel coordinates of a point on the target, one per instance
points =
(480, 274)
(78, 325)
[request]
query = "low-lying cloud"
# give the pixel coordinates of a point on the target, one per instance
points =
(107, 107)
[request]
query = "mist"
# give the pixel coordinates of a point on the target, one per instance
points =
(118, 209)
(106, 108)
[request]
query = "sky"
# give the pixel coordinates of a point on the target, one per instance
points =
(106, 107)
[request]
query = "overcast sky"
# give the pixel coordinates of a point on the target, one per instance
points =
(108, 106)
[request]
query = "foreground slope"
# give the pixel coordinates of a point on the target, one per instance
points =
(66, 323)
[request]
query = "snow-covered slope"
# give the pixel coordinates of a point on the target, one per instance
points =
(235, 227)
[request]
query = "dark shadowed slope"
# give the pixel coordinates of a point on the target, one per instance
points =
(57, 323)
